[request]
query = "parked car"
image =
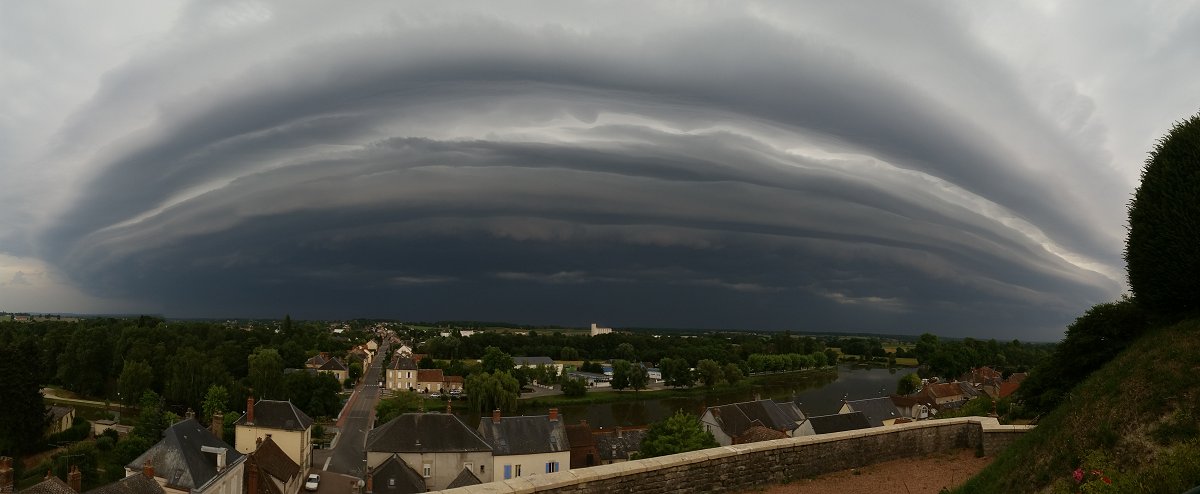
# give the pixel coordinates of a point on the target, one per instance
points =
(312, 482)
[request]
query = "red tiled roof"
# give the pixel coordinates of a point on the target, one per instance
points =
(448, 379)
(1008, 388)
(429, 375)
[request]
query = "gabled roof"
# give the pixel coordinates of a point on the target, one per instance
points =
(133, 484)
(758, 433)
(904, 401)
(393, 476)
(178, 459)
(875, 409)
(942, 390)
(533, 361)
(52, 485)
(425, 433)
(619, 445)
(582, 444)
(404, 363)
(1008, 388)
(58, 412)
(464, 479)
(429, 375)
(968, 390)
(839, 422)
(275, 414)
(275, 469)
(334, 364)
(736, 418)
(525, 435)
(452, 379)
(317, 360)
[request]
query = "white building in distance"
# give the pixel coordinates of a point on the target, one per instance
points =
(599, 330)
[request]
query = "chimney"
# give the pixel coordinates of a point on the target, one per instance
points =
(218, 425)
(496, 416)
(6, 474)
(189, 414)
(148, 469)
(554, 415)
(220, 452)
(251, 477)
(618, 432)
(249, 410)
(49, 474)
(370, 481)
(75, 479)
(257, 443)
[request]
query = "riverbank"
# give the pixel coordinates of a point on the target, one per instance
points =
(594, 397)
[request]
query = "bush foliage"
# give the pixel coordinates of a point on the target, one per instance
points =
(1162, 250)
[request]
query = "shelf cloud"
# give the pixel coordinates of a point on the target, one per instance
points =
(893, 167)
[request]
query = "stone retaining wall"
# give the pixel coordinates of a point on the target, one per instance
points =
(748, 466)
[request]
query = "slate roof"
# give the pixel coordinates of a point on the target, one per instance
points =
(425, 433)
(736, 418)
(968, 390)
(276, 414)
(393, 476)
(275, 469)
(464, 479)
(904, 401)
(611, 446)
(334, 364)
(133, 484)
(178, 459)
(875, 409)
(839, 422)
(52, 485)
(533, 361)
(404, 363)
(317, 360)
(525, 435)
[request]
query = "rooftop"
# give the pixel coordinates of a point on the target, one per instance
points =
(425, 433)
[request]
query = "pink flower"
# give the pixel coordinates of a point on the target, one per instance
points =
(1078, 475)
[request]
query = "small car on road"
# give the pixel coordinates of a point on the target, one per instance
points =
(312, 482)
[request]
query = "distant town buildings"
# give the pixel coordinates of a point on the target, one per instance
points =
(597, 330)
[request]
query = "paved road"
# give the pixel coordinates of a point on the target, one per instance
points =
(348, 453)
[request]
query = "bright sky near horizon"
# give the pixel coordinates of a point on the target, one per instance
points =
(893, 167)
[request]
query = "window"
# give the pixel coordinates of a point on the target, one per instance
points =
(428, 470)
(552, 467)
(481, 468)
(517, 471)
(507, 472)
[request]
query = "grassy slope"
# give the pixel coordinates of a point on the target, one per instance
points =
(1136, 419)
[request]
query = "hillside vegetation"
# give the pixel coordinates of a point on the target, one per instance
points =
(1135, 420)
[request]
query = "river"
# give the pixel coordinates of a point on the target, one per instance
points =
(817, 393)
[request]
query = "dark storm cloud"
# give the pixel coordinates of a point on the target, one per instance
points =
(729, 172)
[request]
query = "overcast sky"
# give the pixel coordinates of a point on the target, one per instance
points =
(896, 167)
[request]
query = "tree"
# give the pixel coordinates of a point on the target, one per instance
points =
(621, 371)
(216, 399)
(136, 378)
(733, 373)
(625, 351)
(1162, 250)
(574, 388)
(677, 434)
(709, 372)
(396, 405)
(638, 377)
(265, 372)
(356, 371)
(908, 384)
(676, 372)
(490, 391)
(568, 353)
(151, 421)
(494, 360)
(23, 415)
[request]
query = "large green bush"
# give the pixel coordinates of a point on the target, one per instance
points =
(1162, 251)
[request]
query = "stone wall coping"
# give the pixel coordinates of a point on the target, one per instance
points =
(544, 482)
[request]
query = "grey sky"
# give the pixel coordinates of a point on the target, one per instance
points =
(886, 167)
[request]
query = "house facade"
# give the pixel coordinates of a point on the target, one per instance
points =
(60, 418)
(288, 427)
(526, 445)
(269, 470)
(402, 374)
(438, 446)
(519, 362)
